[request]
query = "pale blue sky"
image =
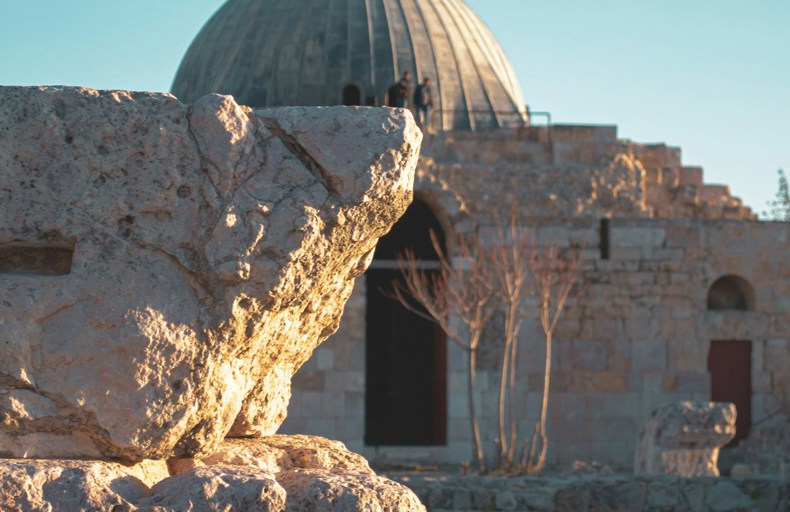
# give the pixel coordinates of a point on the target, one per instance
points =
(710, 76)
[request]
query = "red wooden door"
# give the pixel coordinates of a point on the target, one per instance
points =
(730, 367)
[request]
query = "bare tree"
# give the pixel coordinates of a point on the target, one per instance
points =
(523, 268)
(463, 290)
(508, 273)
(510, 254)
(555, 274)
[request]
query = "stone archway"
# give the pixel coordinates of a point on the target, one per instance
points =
(406, 355)
(731, 292)
(352, 95)
(730, 361)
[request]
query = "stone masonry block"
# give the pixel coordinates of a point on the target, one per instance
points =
(589, 355)
(354, 404)
(777, 356)
(638, 237)
(649, 355)
(686, 383)
(685, 354)
(324, 359)
(345, 381)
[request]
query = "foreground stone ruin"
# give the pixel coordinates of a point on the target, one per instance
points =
(164, 271)
(684, 439)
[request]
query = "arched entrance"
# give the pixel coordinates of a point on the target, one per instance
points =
(730, 361)
(731, 293)
(406, 356)
(352, 96)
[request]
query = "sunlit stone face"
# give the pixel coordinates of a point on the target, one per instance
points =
(165, 269)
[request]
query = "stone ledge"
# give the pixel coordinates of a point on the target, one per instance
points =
(441, 492)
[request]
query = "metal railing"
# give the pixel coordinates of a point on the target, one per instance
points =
(475, 119)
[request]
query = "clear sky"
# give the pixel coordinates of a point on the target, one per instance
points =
(710, 76)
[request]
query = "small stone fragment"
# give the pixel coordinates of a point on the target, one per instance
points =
(684, 438)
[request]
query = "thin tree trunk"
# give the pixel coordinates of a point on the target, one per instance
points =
(540, 463)
(478, 445)
(512, 396)
(502, 392)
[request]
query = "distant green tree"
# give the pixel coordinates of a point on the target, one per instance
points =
(780, 206)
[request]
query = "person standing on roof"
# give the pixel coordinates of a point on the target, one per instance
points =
(398, 93)
(423, 102)
(404, 88)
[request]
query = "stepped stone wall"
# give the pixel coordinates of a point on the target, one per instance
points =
(640, 335)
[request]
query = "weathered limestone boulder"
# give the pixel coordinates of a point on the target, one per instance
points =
(165, 269)
(293, 473)
(684, 438)
(314, 473)
(71, 485)
(275, 454)
(216, 488)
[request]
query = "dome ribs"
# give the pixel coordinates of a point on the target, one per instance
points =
(270, 53)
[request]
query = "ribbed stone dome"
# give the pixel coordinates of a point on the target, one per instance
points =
(325, 52)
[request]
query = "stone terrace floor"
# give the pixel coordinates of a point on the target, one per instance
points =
(444, 491)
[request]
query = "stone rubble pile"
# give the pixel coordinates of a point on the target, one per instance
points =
(601, 493)
(164, 271)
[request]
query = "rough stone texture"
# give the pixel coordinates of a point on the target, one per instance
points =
(292, 473)
(684, 438)
(63, 485)
(765, 452)
(609, 493)
(165, 269)
(280, 453)
(574, 171)
(217, 488)
(315, 473)
(324, 490)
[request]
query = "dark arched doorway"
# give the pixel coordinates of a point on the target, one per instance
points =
(406, 356)
(730, 361)
(352, 96)
(731, 293)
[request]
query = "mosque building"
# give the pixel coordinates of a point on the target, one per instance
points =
(687, 295)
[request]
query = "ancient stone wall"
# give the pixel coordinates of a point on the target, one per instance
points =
(639, 337)
(572, 170)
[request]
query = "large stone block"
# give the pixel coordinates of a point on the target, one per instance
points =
(72, 485)
(271, 474)
(165, 269)
(315, 474)
(684, 438)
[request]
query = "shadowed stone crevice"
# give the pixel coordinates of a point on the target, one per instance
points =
(40, 260)
(310, 163)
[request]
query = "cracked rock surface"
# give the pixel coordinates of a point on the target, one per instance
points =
(277, 473)
(165, 268)
(684, 439)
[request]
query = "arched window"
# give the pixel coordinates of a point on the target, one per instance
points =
(730, 361)
(731, 293)
(352, 96)
(406, 355)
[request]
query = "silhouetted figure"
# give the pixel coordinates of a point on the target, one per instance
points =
(423, 102)
(398, 93)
